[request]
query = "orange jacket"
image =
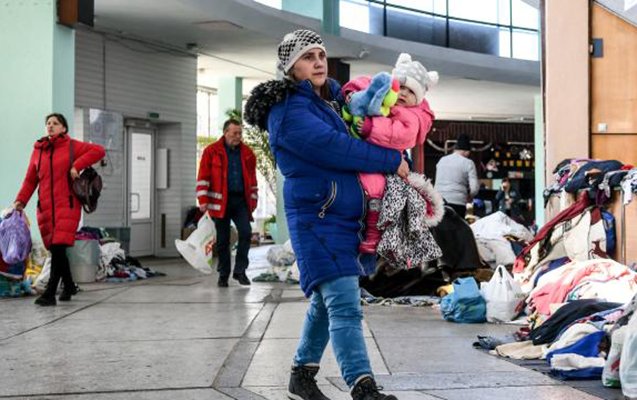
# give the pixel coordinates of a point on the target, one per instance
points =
(212, 180)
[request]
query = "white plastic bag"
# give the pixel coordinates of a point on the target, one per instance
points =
(197, 249)
(628, 361)
(502, 295)
(610, 374)
(43, 278)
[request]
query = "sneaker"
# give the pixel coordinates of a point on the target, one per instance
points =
(223, 281)
(242, 279)
(45, 301)
(366, 389)
(302, 384)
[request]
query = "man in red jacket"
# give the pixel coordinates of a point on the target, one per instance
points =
(227, 189)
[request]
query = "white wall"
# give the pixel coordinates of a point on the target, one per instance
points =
(133, 79)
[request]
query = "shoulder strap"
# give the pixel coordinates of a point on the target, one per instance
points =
(71, 154)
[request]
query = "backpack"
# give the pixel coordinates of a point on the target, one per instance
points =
(87, 187)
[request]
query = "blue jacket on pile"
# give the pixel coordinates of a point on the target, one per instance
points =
(324, 201)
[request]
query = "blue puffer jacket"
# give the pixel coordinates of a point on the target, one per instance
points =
(324, 201)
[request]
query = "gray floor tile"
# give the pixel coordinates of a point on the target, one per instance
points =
(518, 393)
(424, 322)
(86, 367)
(271, 363)
(205, 291)
(190, 394)
(121, 322)
(424, 355)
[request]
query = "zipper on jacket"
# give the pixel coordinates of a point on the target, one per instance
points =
(361, 223)
(329, 201)
(52, 197)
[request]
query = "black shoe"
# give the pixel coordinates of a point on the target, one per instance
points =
(66, 294)
(45, 301)
(302, 384)
(242, 279)
(223, 281)
(366, 389)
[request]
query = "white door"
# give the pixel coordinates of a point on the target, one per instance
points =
(141, 192)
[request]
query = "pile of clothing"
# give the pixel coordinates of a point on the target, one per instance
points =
(599, 177)
(582, 339)
(116, 266)
(578, 298)
(578, 233)
(500, 239)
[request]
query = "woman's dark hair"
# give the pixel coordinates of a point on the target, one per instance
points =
(60, 118)
(325, 92)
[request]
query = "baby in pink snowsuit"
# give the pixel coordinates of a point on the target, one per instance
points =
(407, 125)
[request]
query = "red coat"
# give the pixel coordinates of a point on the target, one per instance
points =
(212, 180)
(59, 210)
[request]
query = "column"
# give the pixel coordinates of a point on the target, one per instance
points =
(229, 93)
(566, 82)
(37, 78)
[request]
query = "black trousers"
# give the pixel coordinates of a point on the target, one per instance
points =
(60, 270)
(460, 209)
(237, 211)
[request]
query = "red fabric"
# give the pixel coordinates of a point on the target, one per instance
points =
(574, 210)
(212, 179)
(59, 210)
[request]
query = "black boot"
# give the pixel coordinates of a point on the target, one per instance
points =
(45, 301)
(366, 389)
(303, 385)
(68, 291)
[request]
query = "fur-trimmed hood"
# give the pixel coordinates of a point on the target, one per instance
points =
(435, 204)
(265, 95)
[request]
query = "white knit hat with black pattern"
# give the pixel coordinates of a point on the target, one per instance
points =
(294, 45)
(413, 75)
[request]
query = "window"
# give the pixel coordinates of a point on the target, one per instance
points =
(485, 10)
(208, 122)
(524, 15)
(271, 3)
(505, 42)
(525, 45)
(355, 15)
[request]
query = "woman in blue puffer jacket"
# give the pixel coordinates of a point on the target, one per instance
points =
(324, 206)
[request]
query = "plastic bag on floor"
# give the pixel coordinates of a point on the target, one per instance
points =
(610, 374)
(15, 238)
(502, 295)
(465, 304)
(197, 249)
(281, 255)
(43, 279)
(628, 361)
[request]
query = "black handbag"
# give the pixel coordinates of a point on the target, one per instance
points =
(87, 187)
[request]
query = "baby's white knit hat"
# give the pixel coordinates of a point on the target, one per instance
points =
(413, 75)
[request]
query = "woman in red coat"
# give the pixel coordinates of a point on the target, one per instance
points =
(58, 210)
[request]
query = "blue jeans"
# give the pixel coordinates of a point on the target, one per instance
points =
(335, 313)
